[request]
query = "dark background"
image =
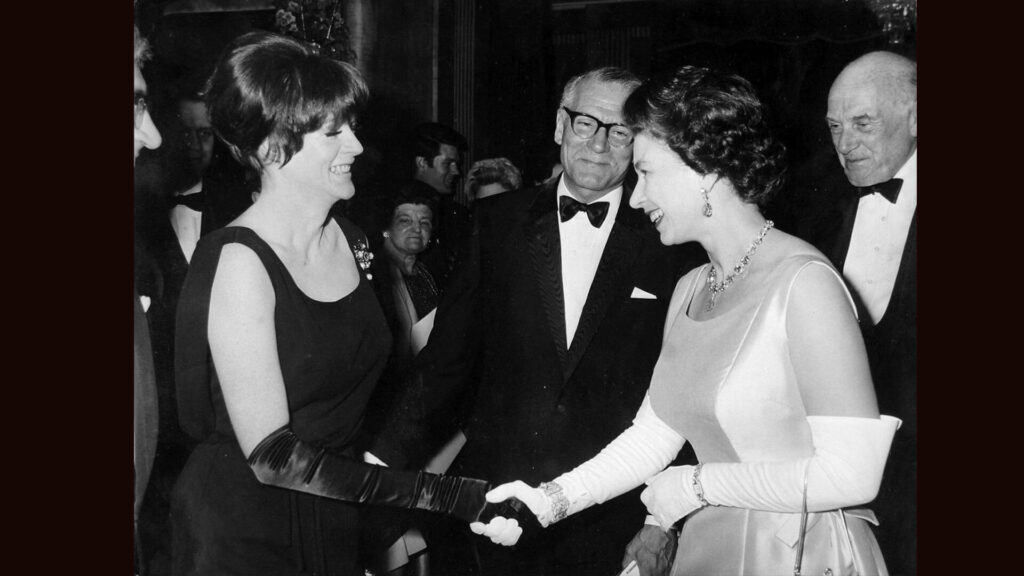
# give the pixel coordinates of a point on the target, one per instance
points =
(494, 69)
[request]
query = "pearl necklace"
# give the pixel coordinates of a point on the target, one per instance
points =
(716, 288)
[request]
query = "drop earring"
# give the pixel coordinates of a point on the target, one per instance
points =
(387, 234)
(707, 203)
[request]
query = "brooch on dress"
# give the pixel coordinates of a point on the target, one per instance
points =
(363, 256)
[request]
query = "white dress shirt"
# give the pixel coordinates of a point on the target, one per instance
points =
(187, 224)
(582, 246)
(879, 236)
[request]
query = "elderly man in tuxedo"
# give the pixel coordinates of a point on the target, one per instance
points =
(549, 333)
(869, 230)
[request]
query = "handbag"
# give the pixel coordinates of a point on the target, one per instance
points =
(843, 564)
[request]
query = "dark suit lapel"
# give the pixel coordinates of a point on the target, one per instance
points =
(619, 253)
(906, 277)
(541, 230)
(848, 210)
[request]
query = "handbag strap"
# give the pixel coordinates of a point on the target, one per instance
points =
(803, 532)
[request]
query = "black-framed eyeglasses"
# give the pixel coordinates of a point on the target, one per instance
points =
(141, 106)
(586, 126)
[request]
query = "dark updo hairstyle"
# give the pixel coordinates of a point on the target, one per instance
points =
(715, 123)
(270, 88)
(413, 192)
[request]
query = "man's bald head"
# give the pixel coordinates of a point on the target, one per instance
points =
(872, 115)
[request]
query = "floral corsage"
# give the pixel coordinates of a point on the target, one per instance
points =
(363, 257)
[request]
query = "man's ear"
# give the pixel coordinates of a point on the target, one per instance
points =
(559, 125)
(421, 163)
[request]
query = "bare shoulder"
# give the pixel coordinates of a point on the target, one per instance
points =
(241, 275)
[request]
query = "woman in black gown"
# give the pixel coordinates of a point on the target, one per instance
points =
(280, 339)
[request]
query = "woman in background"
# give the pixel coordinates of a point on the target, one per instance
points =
(492, 176)
(407, 289)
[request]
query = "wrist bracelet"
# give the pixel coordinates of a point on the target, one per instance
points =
(559, 502)
(697, 488)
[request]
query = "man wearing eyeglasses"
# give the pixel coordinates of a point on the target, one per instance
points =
(145, 406)
(549, 333)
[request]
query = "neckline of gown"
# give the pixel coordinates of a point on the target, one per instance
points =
(291, 279)
(693, 294)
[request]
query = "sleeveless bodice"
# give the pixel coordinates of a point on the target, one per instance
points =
(331, 355)
(726, 384)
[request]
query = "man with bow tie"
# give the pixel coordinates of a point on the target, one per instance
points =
(200, 197)
(869, 231)
(549, 333)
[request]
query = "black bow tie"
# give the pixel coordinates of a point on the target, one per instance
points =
(890, 190)
(195, 201)
(596, 212)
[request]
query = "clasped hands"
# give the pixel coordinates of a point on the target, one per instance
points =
(507, 531)
(669, 497)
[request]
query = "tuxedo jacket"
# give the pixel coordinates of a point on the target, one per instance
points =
(534, 407)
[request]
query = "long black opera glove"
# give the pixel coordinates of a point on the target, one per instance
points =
(283, 460)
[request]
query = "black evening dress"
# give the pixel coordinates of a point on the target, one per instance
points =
(331, 354)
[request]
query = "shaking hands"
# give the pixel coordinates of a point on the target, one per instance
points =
(518, 508)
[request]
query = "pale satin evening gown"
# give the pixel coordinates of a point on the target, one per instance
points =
(726, 384)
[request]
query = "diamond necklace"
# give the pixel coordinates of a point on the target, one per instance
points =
(716, 288)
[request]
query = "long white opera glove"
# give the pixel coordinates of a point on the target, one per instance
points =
(845, 470)
(641, 451)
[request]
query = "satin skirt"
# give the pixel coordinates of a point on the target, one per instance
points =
(723, 541)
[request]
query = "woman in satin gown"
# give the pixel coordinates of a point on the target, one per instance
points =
(762, 368)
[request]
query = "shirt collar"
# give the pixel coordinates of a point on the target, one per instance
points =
(908, 191)
(908, 172)
(612, 197)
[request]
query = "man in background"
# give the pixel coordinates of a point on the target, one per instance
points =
(548, 335)
(867, 225)
(436, 151)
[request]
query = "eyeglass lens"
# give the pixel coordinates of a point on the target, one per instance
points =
(586, 126)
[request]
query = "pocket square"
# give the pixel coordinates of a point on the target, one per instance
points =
(638, 293)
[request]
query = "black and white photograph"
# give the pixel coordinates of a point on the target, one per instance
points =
(525, 288)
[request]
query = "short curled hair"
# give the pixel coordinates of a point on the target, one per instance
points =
(412, 192)
(269, 88)
(716, 124)
(494, 171)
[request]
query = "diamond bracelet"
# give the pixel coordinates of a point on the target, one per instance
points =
(559, 502)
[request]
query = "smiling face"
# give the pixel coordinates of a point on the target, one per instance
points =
(411, 228)
(872, 132)
(667, 190)
(324, 163)
(592, 166)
